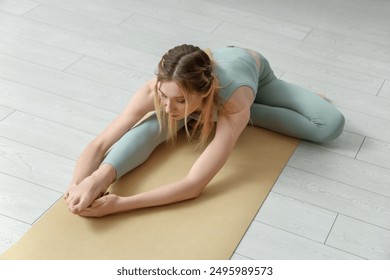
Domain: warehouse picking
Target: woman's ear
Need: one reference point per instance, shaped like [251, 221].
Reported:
[205, 94]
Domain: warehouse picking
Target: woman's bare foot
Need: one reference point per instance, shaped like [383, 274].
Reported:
[81, 196]
[322, 95]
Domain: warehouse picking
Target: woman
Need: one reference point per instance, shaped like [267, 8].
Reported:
[225, 89]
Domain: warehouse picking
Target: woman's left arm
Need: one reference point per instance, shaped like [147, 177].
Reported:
[229, 127]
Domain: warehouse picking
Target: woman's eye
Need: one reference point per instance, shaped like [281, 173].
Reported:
[181, 100]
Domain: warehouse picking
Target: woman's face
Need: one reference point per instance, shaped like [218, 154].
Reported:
[174, 102]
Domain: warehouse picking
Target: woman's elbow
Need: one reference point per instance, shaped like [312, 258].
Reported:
[195, 193]
[195, 190]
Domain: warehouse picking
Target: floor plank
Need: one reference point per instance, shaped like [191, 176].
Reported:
[35, 52]
[347, 144]
[171, 30]
[341, 169]
[108, 73]
[375, 152]
[296, 217]
[19, 7]
[35, 165]
[263, 242]
[63, 84]
[250, 19]
[5, 111]
[334, 196]
[90, 9]
[385, 90]
[60, 38]
[24, 201]
[364, 48]
[363, 239]
[331, 15]
[45, 135]
[11, 231]
[362, 124]
[53, 107]
[136, 38]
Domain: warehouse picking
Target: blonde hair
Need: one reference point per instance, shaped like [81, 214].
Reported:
[191, 69]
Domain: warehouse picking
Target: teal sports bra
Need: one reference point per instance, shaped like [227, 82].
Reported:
[236, 67]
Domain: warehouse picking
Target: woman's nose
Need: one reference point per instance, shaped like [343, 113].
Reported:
[168, 107]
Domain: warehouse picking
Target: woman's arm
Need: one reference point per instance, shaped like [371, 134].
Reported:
[90, 159]
[229, 127]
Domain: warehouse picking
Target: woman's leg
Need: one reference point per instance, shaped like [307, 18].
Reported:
[131, 150]
[295, 111]
[135, 146]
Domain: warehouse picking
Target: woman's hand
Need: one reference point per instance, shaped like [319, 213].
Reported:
[106, 205]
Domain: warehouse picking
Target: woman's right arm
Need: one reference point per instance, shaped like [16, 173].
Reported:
[141, 103]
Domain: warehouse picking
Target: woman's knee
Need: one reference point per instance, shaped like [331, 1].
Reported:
[329, 130]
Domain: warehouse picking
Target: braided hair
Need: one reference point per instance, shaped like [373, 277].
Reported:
[192, 69]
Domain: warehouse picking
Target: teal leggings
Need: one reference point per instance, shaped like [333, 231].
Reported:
[279, 106]
[293, 110]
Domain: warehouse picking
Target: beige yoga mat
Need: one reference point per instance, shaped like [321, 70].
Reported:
[209, 227]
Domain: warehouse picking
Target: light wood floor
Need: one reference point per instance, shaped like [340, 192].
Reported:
[68, 67]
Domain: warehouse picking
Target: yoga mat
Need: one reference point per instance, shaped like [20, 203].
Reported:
[209, 227]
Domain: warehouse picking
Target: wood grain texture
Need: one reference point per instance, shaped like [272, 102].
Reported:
[63, 84]
[261, 241]
[60, 38]
[348, 44]
[45, 135]
[363, 239]
[111, 74]
[296, 217]
[19, 7]
[130, 37]
[240, 17]
[24, 201]
[35, 52]
[334, 196]
[90, 9]
[347, 144]
[341, 169]
[368, 22]
[34, 165]
[11, 230]
[375, 152]
[360, 123]
[54, 108]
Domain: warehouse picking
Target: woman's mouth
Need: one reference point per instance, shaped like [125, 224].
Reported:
[175, 116]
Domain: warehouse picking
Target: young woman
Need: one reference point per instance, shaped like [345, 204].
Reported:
[224, 89]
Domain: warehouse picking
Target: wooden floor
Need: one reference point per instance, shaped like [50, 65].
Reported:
[68, 67]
